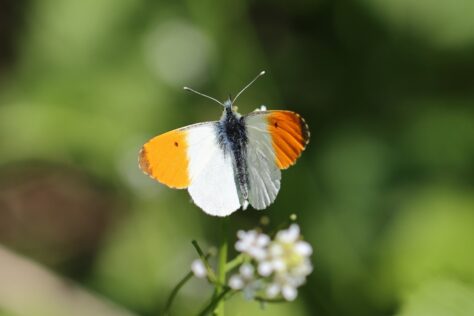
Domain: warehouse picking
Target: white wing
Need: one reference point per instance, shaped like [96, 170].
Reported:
[264, 174]
[212, 185]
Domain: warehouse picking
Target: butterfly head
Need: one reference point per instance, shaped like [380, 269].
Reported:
[228, 103]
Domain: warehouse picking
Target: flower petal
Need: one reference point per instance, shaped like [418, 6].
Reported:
[198, 268]
[236, 282]
[273, 290]
[303, 248]
[265, 268]
[289, 292]
[247, 271]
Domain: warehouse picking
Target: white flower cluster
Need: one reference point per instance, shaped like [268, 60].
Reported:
[275, 267]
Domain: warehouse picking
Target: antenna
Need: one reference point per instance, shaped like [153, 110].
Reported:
[204, 95]
[248, 85]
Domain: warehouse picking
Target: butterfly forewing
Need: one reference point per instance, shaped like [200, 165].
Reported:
[165, 158]
[288, 131]
[275, 140]
[190, 157]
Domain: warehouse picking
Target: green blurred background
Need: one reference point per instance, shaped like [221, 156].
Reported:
[384, 192]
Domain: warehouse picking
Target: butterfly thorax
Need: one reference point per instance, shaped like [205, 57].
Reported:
[232, 137]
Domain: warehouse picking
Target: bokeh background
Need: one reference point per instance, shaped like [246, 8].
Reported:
[384, 192]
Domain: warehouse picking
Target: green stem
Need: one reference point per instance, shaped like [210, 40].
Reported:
[215, 301]
[234, 263]
[183, 281]
[221, 277]
[269, 300]
[210, 273]
[175, 292]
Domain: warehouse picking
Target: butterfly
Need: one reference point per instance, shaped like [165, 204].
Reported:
[230, 163]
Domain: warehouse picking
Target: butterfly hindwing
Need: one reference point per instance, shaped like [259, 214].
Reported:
[264, 174]
[213, 186]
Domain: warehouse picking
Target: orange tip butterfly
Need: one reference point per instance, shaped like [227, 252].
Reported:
[230, 163]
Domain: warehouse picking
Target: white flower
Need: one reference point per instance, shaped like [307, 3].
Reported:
[246, 281]
[252, 243]
[287, 263]
[282, 265]
[198, 268]
[289, 292]
[273, 290]
[303, 248]
[236, 282]
[265, 268]
[247, 271]
[286, 285]
[303, 269]
[275, 250]
[289, 235]
[245, 277]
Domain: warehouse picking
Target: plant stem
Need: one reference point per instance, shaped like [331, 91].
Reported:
[215, 300]
[210, 273]
[219, 311]
[183, 281]
[269, 300]
[234, 262]
[175, 292]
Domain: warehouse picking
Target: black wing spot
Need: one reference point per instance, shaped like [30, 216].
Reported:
[276, 124]
[176, 144]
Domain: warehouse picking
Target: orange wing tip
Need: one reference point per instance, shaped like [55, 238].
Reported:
[164, 158]
[290, 136]
[143, 162]
[305, 130]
